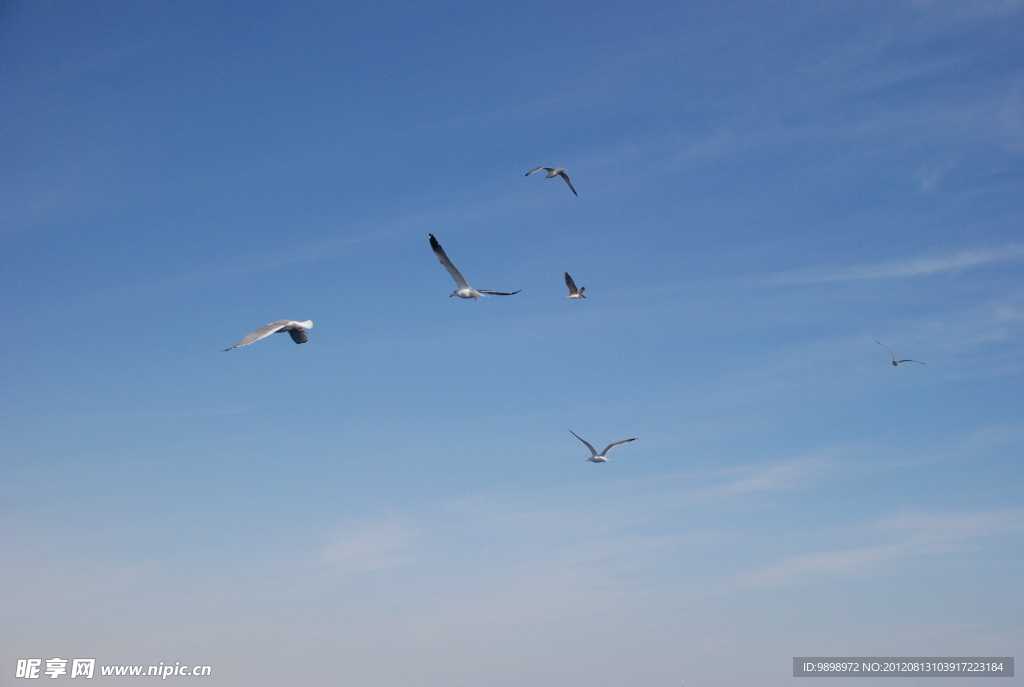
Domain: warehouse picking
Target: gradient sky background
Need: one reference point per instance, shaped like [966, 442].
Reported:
[765, 190]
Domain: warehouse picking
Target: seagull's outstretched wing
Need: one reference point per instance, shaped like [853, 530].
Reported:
[452, 270]
[611, 446]
[262, 333]
[498, 293]
[566, 177]
[886, 348]
[571, 284]
[910, 361]
[592, 451]
[298, 335]
[537, 169]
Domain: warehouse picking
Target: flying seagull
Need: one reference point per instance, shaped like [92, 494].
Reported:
[556, 172]
[297, 330]
[894, 361]
[600, 457]
[573, 291]
[464, 290]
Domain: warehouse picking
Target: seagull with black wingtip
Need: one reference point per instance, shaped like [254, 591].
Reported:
[464, 290]
[601, 457]
[297, 330]
[894, 361]
[573, 291]
[556, 172]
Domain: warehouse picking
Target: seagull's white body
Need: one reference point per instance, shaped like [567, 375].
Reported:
[894, 361]
[573, 291]
[297, 330]
[556, 172]
[464, 290]
[601, 457]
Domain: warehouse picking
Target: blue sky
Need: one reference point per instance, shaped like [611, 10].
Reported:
[764, 191]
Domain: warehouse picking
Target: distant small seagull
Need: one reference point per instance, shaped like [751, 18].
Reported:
[556, 172]
[894, 361]
[573, 291]
[297, 330]
[465, 290]
[602, 456]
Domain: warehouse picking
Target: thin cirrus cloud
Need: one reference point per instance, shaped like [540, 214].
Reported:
[370, 547]
[897, 269]
[792, 474]
[359, 236]
[916, 534]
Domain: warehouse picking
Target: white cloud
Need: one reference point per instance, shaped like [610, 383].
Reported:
[843, 562]
[791, 474]
[915, 534]
[370, 547]
[896, 269]
[940, 533]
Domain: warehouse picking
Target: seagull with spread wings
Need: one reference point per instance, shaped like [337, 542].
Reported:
[556, 172]
[602, 456]
[573, 291]
[464, 290]
[297, 330]
[894, 361]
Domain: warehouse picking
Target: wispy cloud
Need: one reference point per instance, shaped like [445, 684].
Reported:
[952, 532]
[358, 236]
[849, 561]
[170, 415]
[952, 13]
[914, 535]
[370, 547]
[897, 269]
[792, 474]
